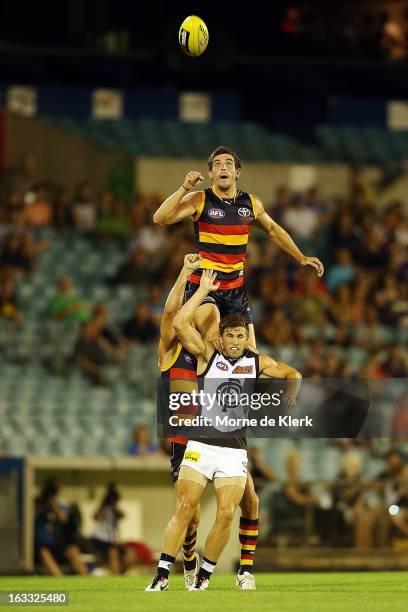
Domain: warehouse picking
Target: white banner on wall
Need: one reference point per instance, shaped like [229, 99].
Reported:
[22, 99]
[302, 177]
[195, 107]
[107, 104]
[397, 115]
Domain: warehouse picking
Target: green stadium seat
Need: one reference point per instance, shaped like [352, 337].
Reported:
[328, 463]
[329, 138]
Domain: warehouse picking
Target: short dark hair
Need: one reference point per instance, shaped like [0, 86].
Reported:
[221, 150]
[233, 320]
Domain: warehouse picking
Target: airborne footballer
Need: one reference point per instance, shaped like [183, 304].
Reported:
[222, 217]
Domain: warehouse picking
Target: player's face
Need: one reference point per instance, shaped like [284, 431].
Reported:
[234, 341]
[224, 174]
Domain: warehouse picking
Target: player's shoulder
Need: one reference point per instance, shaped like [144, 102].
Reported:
[256, 203]
[265, 360]
[247, 193]
[210, 350]
[205, 360]
[209, 353]
[195, 201]
[251, 352]
[194, 197]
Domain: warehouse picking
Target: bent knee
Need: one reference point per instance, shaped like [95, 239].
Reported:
[72, 550]
[225, 516]
[185, 508]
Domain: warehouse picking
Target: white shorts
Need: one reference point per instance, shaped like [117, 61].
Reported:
[216, 461]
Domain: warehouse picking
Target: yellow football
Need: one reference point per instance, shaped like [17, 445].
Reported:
[193, 36]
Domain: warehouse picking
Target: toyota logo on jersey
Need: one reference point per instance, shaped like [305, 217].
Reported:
[244, 212]
[217, 213]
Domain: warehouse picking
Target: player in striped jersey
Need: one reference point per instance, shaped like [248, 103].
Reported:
[222, 218]
[178, 374]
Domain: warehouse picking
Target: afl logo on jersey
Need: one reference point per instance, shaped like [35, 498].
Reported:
[244, 212]
[188, 358]
[217, 213]
[222, 366]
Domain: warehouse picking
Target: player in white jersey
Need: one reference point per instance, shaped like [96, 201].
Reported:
[221, 459]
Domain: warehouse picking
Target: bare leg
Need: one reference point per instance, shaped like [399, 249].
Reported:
[252, 338]
[383, 528]
[193, 524]
[228, 498]
[365, 519]
[207, 321]
[190, 543]
[49, 563]
[72, 553]
[188, 497]
[250, 501]
[113, 560]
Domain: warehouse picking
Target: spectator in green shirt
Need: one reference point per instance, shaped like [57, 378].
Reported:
[67, 306]
[112, 222]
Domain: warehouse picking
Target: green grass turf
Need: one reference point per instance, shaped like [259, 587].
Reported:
[314, 592]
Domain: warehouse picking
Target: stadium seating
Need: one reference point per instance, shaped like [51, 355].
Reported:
[42, 393]
[176, 139]
[363, 145]
[333, 144]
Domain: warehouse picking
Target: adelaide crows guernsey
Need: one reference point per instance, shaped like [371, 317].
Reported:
[230, 382]
[180, 376]
[221, 231]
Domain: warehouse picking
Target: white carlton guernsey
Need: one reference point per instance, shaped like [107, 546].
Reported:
[230, 383]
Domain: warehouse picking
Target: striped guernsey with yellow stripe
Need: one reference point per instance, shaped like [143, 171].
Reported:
[221, 231]
[180, 376]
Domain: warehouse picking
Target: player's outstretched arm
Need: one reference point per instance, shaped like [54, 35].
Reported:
[181, 203]
[277, 369]
[281, 237]
[175, 300]
[190, 338]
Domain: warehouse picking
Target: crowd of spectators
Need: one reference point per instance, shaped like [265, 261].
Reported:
[351, 509]
[361, 304]
[362, 300]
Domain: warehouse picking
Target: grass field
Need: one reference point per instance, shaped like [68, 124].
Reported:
[376, 592]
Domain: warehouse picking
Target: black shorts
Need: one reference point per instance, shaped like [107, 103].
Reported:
[57, 551]
[177, 454]
[102, 548]
[402, 502]
[228, 301]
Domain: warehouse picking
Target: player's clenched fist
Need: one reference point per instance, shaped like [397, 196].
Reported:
[192, 261]
[192, 179]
